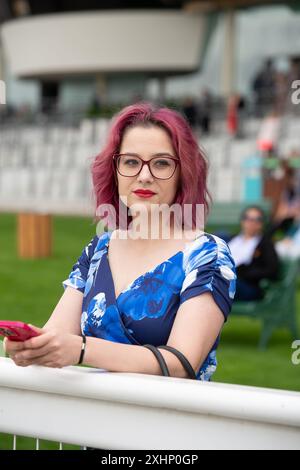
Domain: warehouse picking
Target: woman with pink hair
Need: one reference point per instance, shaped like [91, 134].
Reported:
[137, 302]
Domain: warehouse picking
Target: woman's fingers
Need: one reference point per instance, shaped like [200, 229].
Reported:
[32, 354]
[11, 347]
[33, 348]
[39, 341]
[26, 363]
[41, 361]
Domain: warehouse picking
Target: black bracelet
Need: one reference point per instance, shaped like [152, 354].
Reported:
[160, 359]
[82, 349]
[184, 361]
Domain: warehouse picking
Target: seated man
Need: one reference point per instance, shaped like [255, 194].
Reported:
[254, 255]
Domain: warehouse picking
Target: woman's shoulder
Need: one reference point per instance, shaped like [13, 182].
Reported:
[207, 249]
[96, 244]
[101, 240]
[209, 242]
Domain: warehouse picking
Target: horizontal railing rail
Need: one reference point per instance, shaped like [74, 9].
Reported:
[96, 408]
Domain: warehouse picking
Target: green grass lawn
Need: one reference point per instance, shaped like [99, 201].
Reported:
[29, 290]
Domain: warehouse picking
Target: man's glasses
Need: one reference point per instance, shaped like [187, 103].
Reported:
[162, 167]
[253, 219]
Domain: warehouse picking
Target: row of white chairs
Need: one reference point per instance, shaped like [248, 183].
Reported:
[74, 184]
[89, 131]
[226, 185]
[47, 155]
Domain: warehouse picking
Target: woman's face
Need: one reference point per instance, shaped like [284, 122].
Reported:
[147, 142]
[252, 223]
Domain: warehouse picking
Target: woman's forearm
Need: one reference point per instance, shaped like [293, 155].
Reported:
[67, 313]
[118, 357]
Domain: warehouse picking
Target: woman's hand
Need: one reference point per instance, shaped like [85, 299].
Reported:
[51, 349]
[12, 347]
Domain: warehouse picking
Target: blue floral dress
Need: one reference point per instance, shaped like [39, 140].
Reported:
[144, 312]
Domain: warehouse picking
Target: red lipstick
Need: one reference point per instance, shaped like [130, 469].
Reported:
[144, 192]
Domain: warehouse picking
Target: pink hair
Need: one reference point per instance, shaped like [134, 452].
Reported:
[193, 168]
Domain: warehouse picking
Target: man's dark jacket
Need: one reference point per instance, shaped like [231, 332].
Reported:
[264, 264]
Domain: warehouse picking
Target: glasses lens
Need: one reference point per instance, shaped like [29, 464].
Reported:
[128, 165]
[252, 219]
[162, 167]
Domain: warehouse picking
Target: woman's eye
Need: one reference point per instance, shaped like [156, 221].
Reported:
[131, 162]
[162, 163]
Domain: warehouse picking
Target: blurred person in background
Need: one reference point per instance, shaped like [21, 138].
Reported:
[189, 109]
[288, 211]
[268, 135]
[236, 108]
[294, 72]
[254, 255]
[205, 112]
[95, 106]
[232, 115]
[281, 91]
[264, 88]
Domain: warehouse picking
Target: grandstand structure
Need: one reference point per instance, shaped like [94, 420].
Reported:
[97, 43]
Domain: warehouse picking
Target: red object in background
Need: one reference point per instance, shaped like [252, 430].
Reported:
[269, 133]
[232, 117]
[265, 146]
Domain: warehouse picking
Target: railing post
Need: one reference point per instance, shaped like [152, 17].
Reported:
[34, 233]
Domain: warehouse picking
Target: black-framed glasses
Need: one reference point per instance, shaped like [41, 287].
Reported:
[161, 167]
[252, 219]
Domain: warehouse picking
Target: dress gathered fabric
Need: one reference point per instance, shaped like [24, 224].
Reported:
[145, 310]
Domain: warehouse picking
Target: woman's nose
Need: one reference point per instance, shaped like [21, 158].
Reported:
[145, 174]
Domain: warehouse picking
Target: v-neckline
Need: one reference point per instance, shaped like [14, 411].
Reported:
[180, 252]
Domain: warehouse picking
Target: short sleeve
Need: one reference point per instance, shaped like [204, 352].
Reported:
[78, 275]
[209, 267]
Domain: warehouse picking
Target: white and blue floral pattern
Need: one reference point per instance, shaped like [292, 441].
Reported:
[145, 311]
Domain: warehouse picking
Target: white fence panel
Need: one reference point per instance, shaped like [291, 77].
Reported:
[92, 407]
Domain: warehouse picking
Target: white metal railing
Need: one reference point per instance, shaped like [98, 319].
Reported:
[92, 407]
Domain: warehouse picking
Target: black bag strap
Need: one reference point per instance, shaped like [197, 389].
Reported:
[160, 359]
[181, 357]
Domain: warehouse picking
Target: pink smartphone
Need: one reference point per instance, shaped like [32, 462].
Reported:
[16, 330]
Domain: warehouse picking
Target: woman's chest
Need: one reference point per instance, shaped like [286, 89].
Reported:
[125, 291]
[127, 265]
